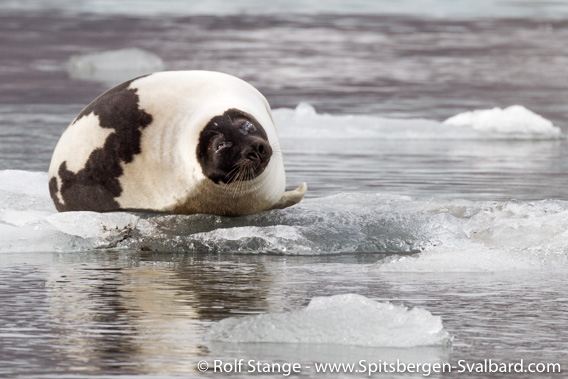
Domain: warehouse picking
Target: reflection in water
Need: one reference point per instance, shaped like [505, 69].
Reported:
[90, 317]
[27, 333]
[144, 313]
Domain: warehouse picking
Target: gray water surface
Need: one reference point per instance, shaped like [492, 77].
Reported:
[131, 312]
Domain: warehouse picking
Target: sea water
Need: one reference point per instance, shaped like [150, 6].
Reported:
[432, 139]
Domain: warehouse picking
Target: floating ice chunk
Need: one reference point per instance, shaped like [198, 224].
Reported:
[515, 119]
[114, 66]
[304, 122]
[347, 319]
[515, 122]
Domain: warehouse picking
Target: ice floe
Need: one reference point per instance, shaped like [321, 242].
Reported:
[114, 66]
[515, 122]
[347, 319]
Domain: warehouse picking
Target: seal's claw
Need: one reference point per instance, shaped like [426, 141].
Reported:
[291, 197]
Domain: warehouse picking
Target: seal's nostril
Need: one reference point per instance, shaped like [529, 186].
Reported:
[259, 151]
[253, 156]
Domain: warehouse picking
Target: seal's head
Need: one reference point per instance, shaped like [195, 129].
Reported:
[233, 147]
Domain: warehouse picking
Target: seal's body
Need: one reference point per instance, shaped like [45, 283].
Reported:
[178, 141]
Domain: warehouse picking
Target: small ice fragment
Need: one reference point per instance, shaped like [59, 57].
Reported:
[115, 65]
[515, 119]
[304, 109]
[348, 319]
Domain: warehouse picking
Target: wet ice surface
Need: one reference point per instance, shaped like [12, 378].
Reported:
[464, 224]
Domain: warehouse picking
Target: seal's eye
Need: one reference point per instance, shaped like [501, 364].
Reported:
[222, 145]
[247, 127]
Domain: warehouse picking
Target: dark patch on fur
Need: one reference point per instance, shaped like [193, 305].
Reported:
[96, 186]
[220, 166]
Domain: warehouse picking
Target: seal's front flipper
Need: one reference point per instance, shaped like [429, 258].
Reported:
[291, 197]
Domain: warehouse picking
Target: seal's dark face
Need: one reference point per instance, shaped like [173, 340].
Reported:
[233, 147]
